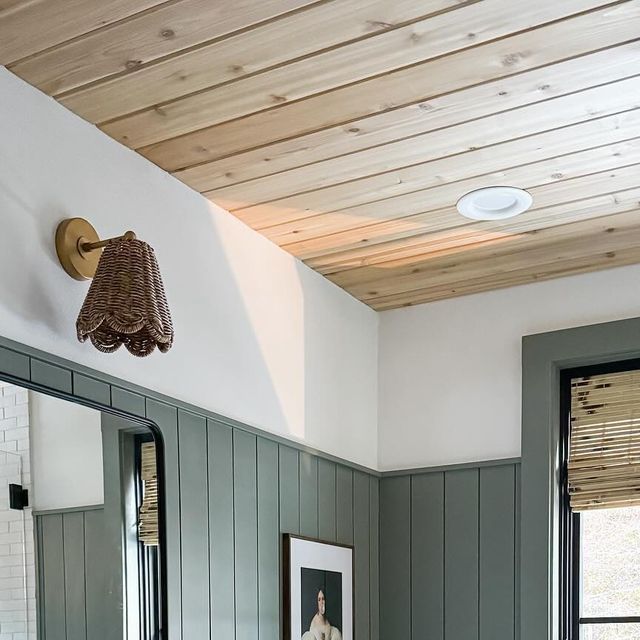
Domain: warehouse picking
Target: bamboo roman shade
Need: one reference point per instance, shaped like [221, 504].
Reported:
[148, 518]
[604, 446]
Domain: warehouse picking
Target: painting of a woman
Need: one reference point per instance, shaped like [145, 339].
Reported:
[320, 627]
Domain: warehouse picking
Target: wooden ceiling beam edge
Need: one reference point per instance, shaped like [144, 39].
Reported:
[266, 156]
[180, 151]
[113, 82]
[423, 176]
[551, 193]
[194, 113]
[455, 141]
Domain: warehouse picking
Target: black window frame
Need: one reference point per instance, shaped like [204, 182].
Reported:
[569, 531]
[149, 561]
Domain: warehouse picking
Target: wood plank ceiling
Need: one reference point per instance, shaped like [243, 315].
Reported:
[346, 130]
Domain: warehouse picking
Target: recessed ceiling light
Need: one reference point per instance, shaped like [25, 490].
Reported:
[494, 203]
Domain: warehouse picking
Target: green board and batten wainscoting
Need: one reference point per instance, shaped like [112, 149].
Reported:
[231, 492]
[449, 548]
[436, 550]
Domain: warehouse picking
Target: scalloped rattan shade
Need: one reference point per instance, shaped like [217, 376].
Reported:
[126, 303]
[604, 447]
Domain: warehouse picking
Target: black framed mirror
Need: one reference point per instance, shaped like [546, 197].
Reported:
[82, 534]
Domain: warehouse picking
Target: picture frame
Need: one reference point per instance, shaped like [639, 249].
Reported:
[318, 589]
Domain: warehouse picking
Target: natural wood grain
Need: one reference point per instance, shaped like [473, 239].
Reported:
[425, 83]
[305, 32]
[357, 61]
[462, 240]
[567, 242]
[561, 112]
[446, 111]
[596, 132]
[126, 46]
[311, 236]
[462, 237]
[346, 130]
[585, 264]
[33, 25]
[546, 181]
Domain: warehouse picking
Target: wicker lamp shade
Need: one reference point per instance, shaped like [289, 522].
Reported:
[126, 304]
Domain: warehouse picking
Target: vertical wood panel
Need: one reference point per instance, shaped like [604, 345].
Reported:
[461, 554]
[395, 561]
[222, 569]
[74, 575]
[194, 525]
[165, 417]
[289, 493]
[361, 543]
[326, 500]
[497, 547]
[374, 537]
[427, 556]
[246, 534]
[97, 568]
[268, 542]
[53, 576]
[344, 505]
[308, 495]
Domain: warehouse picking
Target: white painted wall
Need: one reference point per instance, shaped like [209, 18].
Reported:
[66, 454]
[259, 336]
[450, 371]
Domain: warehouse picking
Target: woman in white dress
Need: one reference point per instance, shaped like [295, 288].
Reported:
[320, 627]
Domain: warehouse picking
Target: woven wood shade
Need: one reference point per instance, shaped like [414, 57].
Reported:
[148, 517]
[604, 447]
[126, 303]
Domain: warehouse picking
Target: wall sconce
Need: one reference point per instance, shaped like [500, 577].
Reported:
[126, 303]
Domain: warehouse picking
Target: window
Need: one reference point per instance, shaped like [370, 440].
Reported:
[148, 537]
[600, 510]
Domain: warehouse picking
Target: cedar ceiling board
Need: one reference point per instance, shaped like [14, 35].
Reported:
[408, 249]
[31, 26]
[447, 111]
[588, 264]
[571, 139]
[581, 239]
[305, 32]
[461, 236]
[308, 237]
[353, 62]
[424, 147]
[124, 46]
[551, 263]
[421, 83]
[554, 192]
[525, 249]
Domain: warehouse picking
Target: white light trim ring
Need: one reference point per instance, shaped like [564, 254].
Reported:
[494, 203]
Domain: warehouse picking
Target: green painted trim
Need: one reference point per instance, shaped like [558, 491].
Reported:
[543, 357]
[15, 374]
[451, 467]
[49, 512]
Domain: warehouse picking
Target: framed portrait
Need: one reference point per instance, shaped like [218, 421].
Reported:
[318, 589]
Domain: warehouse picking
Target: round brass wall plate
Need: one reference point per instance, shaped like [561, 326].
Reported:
[71, 234]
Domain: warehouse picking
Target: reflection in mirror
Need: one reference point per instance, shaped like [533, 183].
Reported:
[79, 526]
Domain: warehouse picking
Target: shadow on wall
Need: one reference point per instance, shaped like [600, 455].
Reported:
[55, 166]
